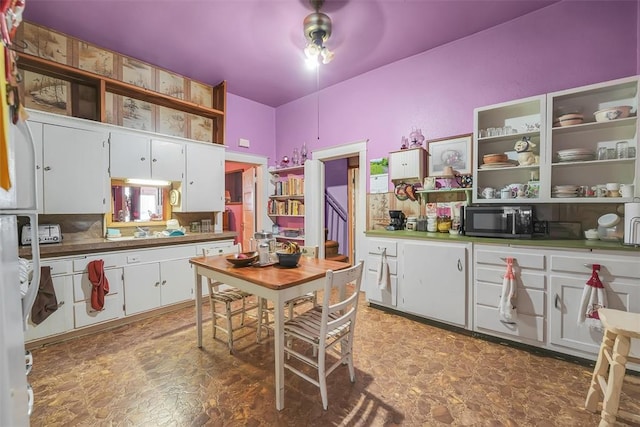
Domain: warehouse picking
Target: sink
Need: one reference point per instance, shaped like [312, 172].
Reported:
[121, 238]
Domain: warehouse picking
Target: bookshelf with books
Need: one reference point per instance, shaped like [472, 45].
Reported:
[286, 204]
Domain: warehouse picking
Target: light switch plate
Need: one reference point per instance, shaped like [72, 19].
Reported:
[243, 143]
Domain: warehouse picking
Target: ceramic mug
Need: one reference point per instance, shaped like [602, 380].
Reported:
[626, 190]
[429, 183]
[489, 193]
[506, 193]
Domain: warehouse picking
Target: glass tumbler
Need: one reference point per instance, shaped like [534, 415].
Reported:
[622, 149]
[602, 153]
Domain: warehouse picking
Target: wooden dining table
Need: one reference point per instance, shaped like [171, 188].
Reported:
[273, 282]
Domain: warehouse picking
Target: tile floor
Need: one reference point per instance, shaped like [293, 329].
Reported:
[150, 373]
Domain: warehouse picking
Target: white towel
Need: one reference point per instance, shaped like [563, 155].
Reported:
[507, 305]
[384, 279]
[594, 297]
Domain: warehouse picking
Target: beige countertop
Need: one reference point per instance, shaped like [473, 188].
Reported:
[85, 246]
[540, 242]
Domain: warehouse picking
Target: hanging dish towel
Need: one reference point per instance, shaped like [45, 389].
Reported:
[507, 306]
[384, 279]
[46, 302]
[594, 297]
[99, 282]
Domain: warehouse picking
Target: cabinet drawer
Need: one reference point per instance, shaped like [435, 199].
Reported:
[386, 297]
[376, 247]
[58, 267]
[85, 315]
[110, 261]
[216, 248]
[529, 327]
[160, 254]
[522, 259]
[525, 279]
[373, 264]
[529, 301]
[82, 286]
[613, 266]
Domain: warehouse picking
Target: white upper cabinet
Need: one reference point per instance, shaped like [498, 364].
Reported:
[583, 152]
[203, 187]
[138, 156]
[408, 165]
[498, 128]
[75, 171]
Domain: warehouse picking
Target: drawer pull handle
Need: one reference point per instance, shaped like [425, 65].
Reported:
[510, 322]
[459, 265]
[556, 301]
[588, 265]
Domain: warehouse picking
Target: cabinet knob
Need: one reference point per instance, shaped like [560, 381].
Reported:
[47, 168]
[164, 282]
[142, 159]
[190, 182]
[154, 160]
[37, 167]
[157, 284]
[556, 301]
[459, 265]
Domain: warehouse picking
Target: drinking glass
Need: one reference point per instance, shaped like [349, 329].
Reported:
[602, 153]
[622, 148]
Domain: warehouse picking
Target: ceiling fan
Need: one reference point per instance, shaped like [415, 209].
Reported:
[317, 30]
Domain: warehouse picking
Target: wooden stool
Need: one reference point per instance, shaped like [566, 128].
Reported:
[620, 327]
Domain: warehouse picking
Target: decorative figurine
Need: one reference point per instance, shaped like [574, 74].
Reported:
[524, 148]
[404, 143]
[285, 162]
[416, 138]
[295, 157]
[303, 152]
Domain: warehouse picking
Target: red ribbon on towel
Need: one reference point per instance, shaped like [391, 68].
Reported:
[99, 282]
[594, 281]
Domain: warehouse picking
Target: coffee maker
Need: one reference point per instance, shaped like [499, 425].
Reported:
[397, 220]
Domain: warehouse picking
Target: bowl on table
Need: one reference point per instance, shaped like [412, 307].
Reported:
[242, 259]
[288, 260]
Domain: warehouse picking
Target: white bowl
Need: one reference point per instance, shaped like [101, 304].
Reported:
[612, 113]
[591, 234]
[613, 186]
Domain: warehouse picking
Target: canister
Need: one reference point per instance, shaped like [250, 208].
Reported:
[412, 223]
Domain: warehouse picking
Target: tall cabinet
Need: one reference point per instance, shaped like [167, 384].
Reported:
[286, 203]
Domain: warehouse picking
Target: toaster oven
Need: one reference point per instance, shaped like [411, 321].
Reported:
[47, 233]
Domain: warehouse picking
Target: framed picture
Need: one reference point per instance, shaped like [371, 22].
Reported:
[452, 151]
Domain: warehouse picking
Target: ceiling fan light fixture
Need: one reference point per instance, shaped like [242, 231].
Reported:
[317, 30]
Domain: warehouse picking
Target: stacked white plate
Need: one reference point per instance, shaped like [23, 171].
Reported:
[576, 155]
[563, 191]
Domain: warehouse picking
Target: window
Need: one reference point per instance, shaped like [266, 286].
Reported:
[137, 204]
[233, 187]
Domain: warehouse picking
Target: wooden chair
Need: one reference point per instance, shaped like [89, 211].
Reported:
[233, 301]
[323, 328]
[620, 327]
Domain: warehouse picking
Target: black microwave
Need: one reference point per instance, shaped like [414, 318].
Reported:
[514, 222]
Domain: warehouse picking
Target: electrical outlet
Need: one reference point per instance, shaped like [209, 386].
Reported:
[243, 143]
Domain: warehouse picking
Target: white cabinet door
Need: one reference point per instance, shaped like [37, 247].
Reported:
[434, 281]
[76, 178]
[388, 295]
[60, 320]
[130, 155]
[408, 164]
[204, 184]
[566, 296]
[141, 288]
[167, 160]
[176, 283]
[24, 173]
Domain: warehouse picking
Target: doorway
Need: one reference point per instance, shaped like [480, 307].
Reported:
[246, 210]
[315, 205]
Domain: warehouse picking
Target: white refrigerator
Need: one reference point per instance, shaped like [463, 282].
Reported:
[20, 199]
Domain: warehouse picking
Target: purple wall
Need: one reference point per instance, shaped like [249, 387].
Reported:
[565, 45]
[253, 121]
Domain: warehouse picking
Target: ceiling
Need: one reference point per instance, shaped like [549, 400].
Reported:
[256, 45]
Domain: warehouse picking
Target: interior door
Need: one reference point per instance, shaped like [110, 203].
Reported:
[248, 226]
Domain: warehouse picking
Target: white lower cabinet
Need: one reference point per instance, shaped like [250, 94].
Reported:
[139, 280]
[385, 295]
[433, 282]
[530, 276]
[570, 271]
[155, 284]
[61, 320]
